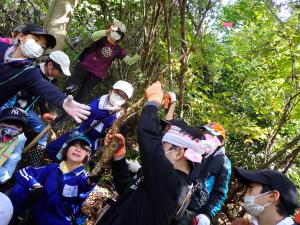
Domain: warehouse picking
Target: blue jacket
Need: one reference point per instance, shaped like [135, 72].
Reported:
[63, 191]
[30, 80]
[93, 135]
[214, 176]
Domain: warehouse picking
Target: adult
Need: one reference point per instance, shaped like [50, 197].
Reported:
[271, 198]
[12, 140]
[212, 179]
[18, 71]
[104, 111]
[155, 193]
[96, 59]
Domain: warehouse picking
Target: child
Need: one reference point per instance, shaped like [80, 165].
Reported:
[96, 59]
[105, 109]
[55, 193]
[12, 140]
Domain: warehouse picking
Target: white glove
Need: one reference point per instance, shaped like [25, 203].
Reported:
[133, 165]
[78, 111]
[173, 96]
[203, 220]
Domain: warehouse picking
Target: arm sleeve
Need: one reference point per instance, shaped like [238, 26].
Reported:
[98, 34]
[131, 60]
[47, 91]
[121, 178]
[219, 191]
[159, 174]
[8, 169]
[30, 176]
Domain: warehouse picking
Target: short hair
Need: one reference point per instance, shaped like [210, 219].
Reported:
[281, 208]
[82, 145]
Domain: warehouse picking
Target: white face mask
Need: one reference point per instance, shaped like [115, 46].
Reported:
[115, 36]
[116, 100]
[251, 207]
[31, 49]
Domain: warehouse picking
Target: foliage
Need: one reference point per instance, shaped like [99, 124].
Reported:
[245, 77]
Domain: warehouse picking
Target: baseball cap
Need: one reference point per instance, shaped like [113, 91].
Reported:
[39, 30]
[276, 181]
[121, 25]
[215, 129]
[19, 28]
[124, 86]
[62, 60]
[79, 137]
[14, 113]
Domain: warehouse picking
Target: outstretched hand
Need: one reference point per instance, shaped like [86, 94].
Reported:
[121, 150]
[155, 92]
[77, 110]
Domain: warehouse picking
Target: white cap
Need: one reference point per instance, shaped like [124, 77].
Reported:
[120, 25]
[62, 60]
[124, 86]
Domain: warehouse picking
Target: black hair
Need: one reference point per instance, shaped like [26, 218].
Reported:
[55, 65]
[281, 208]
[83, 145]
[15, 123]
[194, 132]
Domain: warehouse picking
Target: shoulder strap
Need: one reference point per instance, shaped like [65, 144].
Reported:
[17, 74]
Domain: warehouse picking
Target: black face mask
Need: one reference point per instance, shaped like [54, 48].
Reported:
[8, 133]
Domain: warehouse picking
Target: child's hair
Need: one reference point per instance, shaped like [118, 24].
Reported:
[82, 145]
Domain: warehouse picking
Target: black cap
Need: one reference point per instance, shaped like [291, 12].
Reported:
[14, 114]
[276, 181]
[39, 30]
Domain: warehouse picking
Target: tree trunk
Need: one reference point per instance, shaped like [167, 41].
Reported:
[183, 61]
[58, 18]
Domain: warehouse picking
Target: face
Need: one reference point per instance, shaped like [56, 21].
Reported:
[41, 40]
[76, 153]
[173, 153]
[15, 126]
[255, 189]
[52, 71]
[121, 93]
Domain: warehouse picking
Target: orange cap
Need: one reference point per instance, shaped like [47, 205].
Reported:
[218, 127]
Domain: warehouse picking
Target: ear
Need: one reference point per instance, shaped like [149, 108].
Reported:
[50, 65]
[21, 37]
[275, 195]
[179, 153]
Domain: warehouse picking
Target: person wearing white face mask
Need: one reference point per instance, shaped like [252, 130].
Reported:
[271, 197]
[96, 59]
[104, 111]
[18, 71]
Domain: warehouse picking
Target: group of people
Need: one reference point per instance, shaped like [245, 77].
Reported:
[183, 174]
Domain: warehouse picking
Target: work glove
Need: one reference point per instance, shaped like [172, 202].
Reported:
[121, 150]
[35, 195]
[48, 117]
[155, 92]
[202, 220]
[78, 111]
[172, 96]
[133, 165]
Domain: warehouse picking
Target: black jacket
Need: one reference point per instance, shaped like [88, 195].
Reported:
[152, 198]
[30, 80]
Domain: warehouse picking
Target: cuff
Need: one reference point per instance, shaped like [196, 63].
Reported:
[153, 103]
